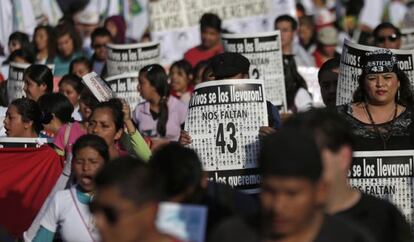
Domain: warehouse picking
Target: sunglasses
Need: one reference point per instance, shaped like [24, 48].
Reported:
[391, 38]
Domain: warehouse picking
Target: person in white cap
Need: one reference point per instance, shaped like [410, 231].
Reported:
[326, 47]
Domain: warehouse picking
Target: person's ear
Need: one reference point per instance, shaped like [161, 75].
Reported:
[345, 157]
[204, 180]
[43, 87]
[190, 77]
[322, 189]
[28, 125]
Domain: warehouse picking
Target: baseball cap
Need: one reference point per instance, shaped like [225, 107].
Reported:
[229, 64]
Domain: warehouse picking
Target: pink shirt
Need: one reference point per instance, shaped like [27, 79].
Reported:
[147, 126]
[76, 131]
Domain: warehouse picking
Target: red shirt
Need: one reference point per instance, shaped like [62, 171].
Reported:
[197, 54]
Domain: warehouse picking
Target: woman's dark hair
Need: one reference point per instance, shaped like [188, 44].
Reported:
[57, 104]
[87, 98]
[157, 77]
[121, 27]
[115, 105]
[293, 80]
[93, 141]
[200, 66]
[287, 18]
[23, 53]
[40, 74]
[63, 29]
[178, 170]
[20, 37]
[74, 81]
[183, 65]
[30, 111]
[80, 60]
[405, 98]
[210, 20]
[51, 41]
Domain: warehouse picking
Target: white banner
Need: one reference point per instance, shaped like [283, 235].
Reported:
[351, 69]
[264, 52]
[387, 175]
[131, 57]
[310, 74]
[175, 23]
[407, 39]
[223, 121]
[125, 86]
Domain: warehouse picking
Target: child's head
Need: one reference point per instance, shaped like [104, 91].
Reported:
[90, 155]
[56, 110]
[18, 40]
[107, 121]
[71, 86]
[199, 71]
[68, 41]
[23, 118]
[44, 39]
[38, 80]
[87, 103]
[80, 66]
[181, 76]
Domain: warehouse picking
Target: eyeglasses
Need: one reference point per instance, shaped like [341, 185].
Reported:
[392, 38]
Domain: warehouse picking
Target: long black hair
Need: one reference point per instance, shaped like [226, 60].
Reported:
[157, 77]
[30, 111]
[405, 97]
[51, 41]
[40, 74]
[55, 104]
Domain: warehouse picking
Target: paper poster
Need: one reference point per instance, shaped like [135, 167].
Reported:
[350, 68]
[125, 86]
[15, 81]
[175, 23]
[223, 121]
[131, 57]
[310, 74]
[407, 39]
[183, 221]
[98, 87]
[387, 175]
[264, 52]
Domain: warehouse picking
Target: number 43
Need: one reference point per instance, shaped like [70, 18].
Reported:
[220, 138]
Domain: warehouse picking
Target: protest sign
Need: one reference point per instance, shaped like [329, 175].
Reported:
[125, 86]
[386, 174]
[15, 82]
[407, 38]
[175, 23]
[98, 87]
[131, 57]
[183, 221]
[351, 69]
[223, 121]
[265, 55]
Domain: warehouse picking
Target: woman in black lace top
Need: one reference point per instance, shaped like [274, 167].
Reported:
[381, 114]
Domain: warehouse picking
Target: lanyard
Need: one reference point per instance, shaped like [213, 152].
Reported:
[80, 214]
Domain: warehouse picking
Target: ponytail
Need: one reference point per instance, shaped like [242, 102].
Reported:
[163, 118]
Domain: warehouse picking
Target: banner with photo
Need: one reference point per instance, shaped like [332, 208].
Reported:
[125, 86]
[387, 175]
[223, 121]
[264, 52]
[351, 69]
[127, 58]
[175, 23]
[407, 38]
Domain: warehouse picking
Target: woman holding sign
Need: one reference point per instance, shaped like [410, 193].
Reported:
[381, 114]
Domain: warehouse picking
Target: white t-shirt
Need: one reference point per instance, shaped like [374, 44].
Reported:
[62, 213]
[303, 100]
[76, 115]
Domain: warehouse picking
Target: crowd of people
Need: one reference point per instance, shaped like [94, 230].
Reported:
[125, 163]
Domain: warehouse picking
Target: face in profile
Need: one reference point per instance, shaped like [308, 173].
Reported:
[381, 88]
[119, 219]
[289, 204]
[14, 124]
[32, 89]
